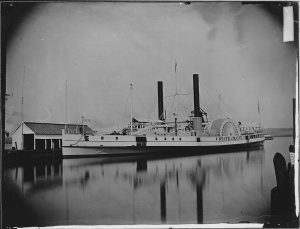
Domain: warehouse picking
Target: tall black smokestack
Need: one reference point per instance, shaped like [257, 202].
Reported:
[160, 100]
[197, 112]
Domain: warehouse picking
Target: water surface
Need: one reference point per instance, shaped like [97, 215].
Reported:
[224, 187]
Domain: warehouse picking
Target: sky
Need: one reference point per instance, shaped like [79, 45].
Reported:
[99, 49]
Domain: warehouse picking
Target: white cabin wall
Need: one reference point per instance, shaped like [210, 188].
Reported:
[17, 136]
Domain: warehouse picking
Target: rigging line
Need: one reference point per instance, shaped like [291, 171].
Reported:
[226, 106]
[126, 103]
[152, 107]
[140, 101]
[215, 103]
[184, 106]
[176, 102]
[168, 96]
[224, 110]
[168, 107]
[209, 98]
[205, 101]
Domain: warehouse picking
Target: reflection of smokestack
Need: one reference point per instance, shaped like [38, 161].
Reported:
[163, 209]
[160, 100]
[200, 179]
[196, 95]
[199, 203]
[197, 121]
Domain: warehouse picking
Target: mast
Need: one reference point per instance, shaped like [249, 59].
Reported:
[258, 110]
[131, 108]
[82, 119]
[176, 90]
[22, 146]
[66, 113]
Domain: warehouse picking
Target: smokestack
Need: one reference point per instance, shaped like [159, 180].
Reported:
[197, 112]
[160, 100]
[197, 120]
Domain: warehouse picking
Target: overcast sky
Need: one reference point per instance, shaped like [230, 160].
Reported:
[100, 48]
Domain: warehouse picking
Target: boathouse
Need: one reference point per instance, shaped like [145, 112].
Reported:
[43, 136]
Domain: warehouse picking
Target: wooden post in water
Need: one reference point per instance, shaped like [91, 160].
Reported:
[281, 195]
[294, 120]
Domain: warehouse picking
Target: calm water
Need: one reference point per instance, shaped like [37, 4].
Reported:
[225, 187]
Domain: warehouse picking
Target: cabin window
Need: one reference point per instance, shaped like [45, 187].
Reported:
[179, 139]
[165, 138]
[117, 138]
[156, 138]
[102, 138]
[173, 139]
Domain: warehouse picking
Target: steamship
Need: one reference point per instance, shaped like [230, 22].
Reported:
[196, 135]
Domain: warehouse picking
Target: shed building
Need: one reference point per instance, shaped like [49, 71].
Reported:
[43, 136]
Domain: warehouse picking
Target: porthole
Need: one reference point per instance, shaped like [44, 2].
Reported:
[102, 138]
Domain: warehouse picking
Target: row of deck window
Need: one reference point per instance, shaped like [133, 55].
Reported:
[117, 138]
[166, 139]
[255, 136]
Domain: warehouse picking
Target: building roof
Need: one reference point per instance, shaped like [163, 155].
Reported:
[54, 128]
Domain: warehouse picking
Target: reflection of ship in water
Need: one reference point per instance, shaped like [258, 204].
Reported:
[168, 176]
[145, 172]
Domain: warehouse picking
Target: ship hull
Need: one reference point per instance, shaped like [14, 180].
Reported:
[203, 148]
